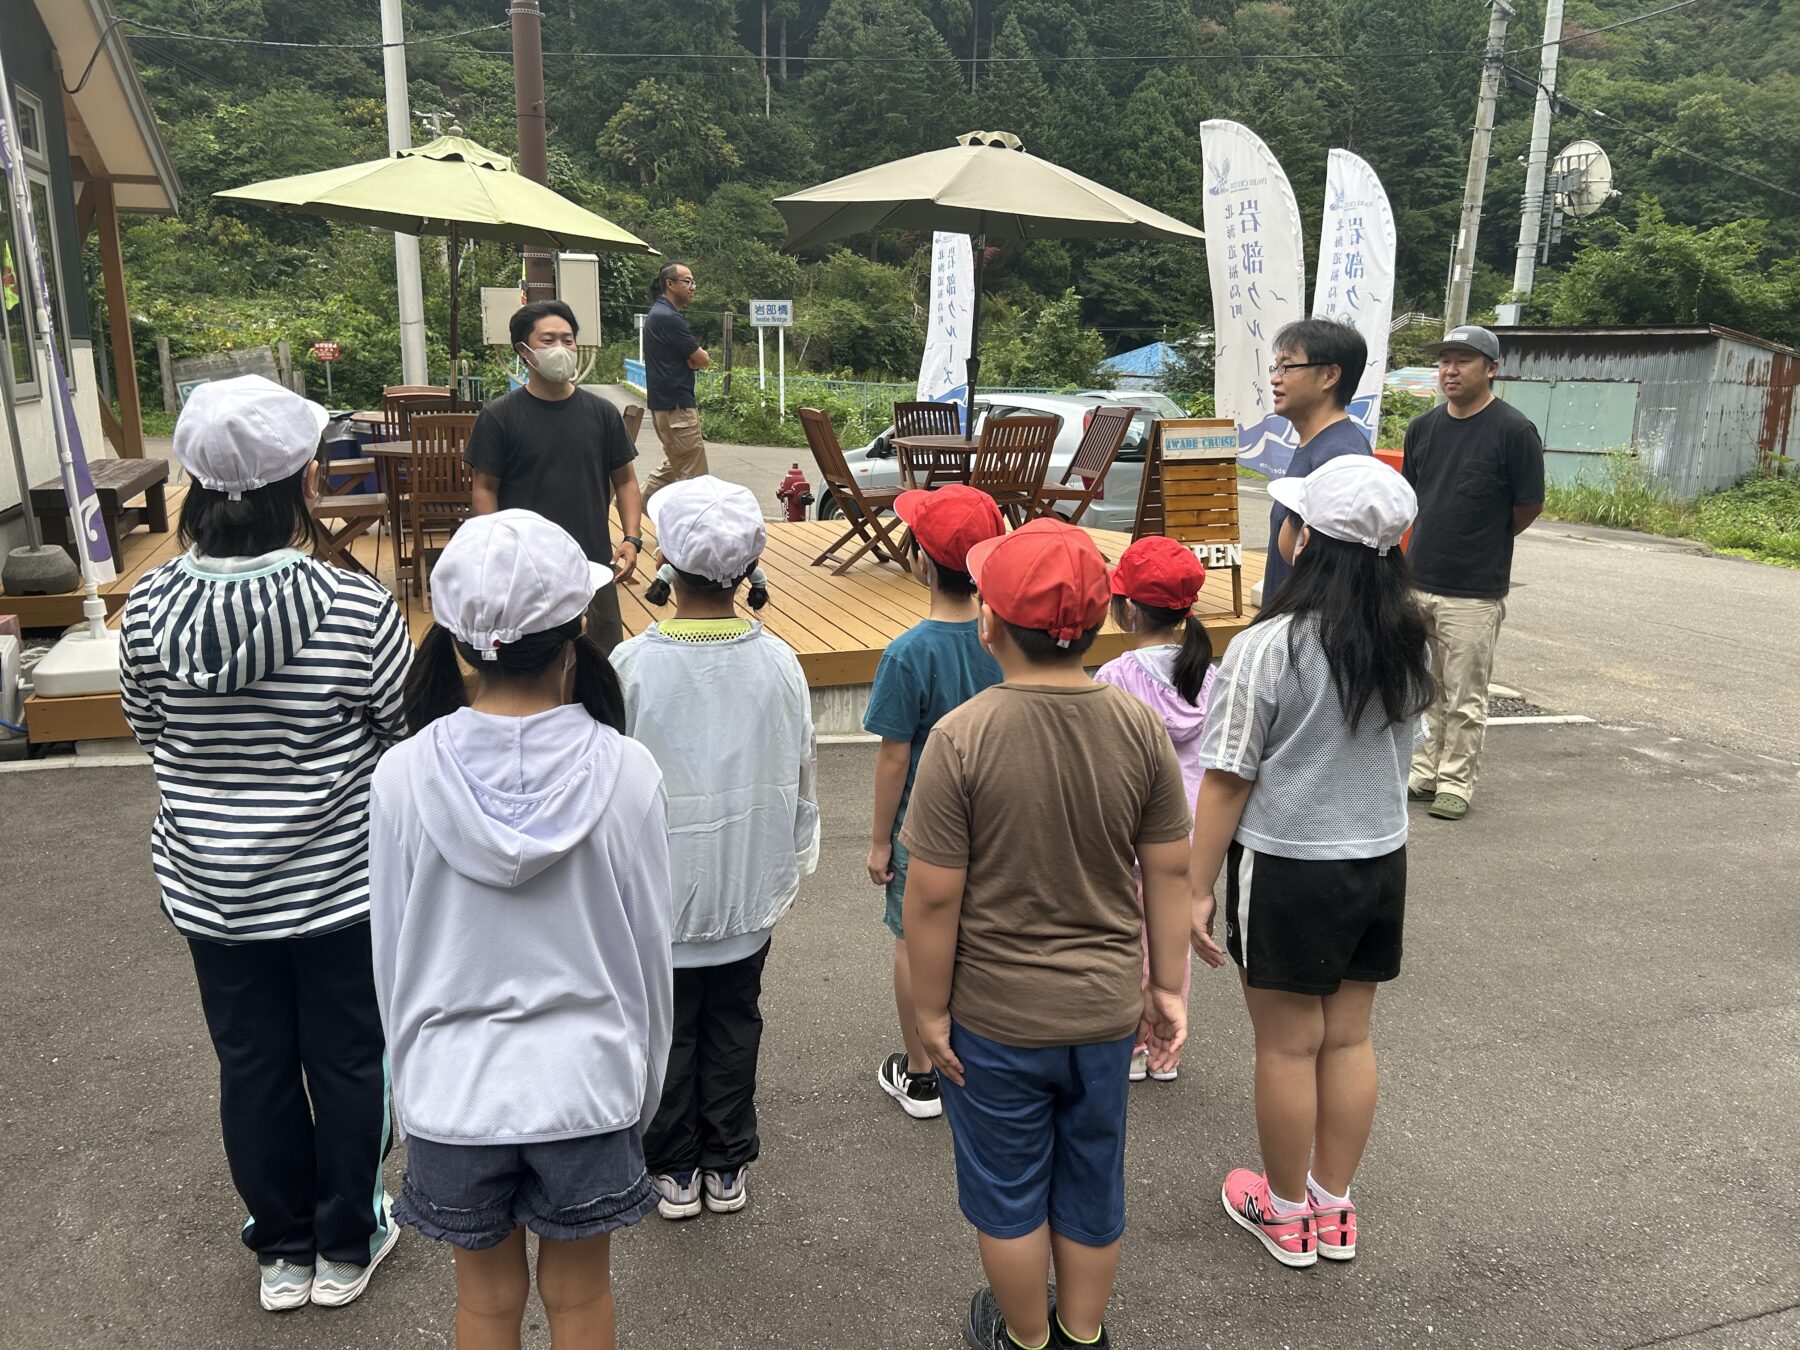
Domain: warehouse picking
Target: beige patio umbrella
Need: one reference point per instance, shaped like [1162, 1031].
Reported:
[451, 187]
[985, 186]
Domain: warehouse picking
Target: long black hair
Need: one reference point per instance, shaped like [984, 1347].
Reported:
[435, 686]
[1372, 630]
[261, 521]
[1196, 652]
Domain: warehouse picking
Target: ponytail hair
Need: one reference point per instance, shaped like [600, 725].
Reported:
[659, 590]
[1196, 653]
[435, 686]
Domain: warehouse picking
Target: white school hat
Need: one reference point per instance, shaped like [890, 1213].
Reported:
[507, 575]
[240, 434]
[1355, 498]
[708, 527]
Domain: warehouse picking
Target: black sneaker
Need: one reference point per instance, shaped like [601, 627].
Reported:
[917, 1093]
[1059, 1340]
[986, 1327]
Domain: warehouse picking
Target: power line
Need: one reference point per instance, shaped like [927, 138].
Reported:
[414, 40]
[1562, 100]
[1604, 28]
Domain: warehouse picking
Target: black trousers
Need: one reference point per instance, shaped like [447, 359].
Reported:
[293, 1018]
[708, 1114]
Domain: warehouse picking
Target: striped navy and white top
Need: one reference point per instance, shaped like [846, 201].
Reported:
[265, 689]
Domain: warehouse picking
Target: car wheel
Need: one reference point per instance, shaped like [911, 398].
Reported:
[827, 508]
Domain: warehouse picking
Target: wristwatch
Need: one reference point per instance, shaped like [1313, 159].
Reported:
[633, 540]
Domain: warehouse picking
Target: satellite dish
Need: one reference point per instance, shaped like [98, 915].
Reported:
[1583, 178]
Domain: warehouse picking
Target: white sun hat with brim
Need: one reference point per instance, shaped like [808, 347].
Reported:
[708, 528]
[1355, 498]
[237, 435]
[510, 574]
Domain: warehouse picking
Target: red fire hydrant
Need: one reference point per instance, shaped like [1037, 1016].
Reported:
[795, 494]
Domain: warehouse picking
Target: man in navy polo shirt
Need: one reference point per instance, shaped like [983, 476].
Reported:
[671, 356]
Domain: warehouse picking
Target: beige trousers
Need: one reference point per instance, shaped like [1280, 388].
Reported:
[684, 453]
[1462, 634]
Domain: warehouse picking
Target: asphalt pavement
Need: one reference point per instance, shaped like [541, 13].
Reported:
[1586, 1136]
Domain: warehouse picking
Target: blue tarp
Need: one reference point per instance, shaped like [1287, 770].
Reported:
[1145, 364]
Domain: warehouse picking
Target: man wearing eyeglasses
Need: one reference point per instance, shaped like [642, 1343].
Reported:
[1318, 364]
[671, 356]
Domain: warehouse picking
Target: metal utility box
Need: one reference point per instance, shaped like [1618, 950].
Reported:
[498, 304]
[578, 286]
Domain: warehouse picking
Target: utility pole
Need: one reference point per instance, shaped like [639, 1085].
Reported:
[1462, 261]
[528, 108]
[1532, 218]
[406, 246]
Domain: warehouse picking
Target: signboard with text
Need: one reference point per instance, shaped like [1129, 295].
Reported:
[325, 351]
[771, 313]
[1189, 493]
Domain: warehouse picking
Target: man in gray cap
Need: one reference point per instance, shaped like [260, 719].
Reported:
[1478, 466]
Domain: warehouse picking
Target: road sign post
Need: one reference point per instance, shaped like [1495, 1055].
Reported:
[779, 315]
[327, 353]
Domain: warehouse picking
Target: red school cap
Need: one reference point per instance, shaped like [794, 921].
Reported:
[1046, 575]
[949, 521]
[1157, 570]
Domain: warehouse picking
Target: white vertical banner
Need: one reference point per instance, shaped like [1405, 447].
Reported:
[1355, 284]
[1257, 261]
[944, 373]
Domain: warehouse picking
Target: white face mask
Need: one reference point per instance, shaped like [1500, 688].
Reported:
[559, 365]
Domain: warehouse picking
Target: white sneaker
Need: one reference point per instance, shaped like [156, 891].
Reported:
[1165, 1075]
[725, 1191]
[285, 1284]
[336, 1283]
[1140, 1066]
[678, 1199]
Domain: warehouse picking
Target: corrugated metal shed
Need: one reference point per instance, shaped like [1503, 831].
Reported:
[1701, 405]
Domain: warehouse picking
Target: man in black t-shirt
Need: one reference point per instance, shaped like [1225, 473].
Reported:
[671, 356]
[1478, 467]
[561, 451]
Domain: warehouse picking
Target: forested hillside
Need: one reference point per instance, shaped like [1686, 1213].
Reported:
[667, 118]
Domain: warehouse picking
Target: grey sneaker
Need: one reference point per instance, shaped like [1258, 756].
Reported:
[1140, 1067]
[986, 1327]
[679, 1194]
[336, 1283]
[725, 1191]
[1449, 806]
[285, 1284]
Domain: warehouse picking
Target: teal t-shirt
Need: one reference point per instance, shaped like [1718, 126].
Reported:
[928, 670]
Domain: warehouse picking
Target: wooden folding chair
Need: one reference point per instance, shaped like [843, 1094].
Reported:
[634, 421]
[1012, 462]
[345, 517]
[440, 488]
[862, 508]
[928, 468]
[1085, 477]
[398, 410]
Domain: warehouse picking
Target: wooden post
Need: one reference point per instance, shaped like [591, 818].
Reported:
[118, 319]
[284, 363]
[726, 322]
[167, 365]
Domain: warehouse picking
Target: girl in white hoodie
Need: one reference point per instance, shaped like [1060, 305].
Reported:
[723, 706]
[519, 877]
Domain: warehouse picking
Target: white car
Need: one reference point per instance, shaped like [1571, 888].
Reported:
[877, 464]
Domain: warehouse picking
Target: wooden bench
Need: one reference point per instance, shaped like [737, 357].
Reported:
[116, 483]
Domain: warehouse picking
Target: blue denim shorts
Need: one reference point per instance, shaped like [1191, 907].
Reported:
[473, 1195]
[1040, 1136]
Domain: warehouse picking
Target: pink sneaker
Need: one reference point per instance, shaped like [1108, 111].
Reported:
[1246, 1199]
[1336, 1229]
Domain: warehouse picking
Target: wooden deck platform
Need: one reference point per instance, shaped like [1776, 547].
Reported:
[839, 626]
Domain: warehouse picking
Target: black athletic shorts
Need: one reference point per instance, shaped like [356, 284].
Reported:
[1306, 925]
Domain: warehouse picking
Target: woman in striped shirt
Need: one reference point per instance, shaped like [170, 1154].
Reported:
[265, 684]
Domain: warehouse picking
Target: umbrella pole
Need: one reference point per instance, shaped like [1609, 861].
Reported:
[974, 366]
[455, 313]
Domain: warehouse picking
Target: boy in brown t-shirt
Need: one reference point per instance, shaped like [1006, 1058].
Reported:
[1032, 802]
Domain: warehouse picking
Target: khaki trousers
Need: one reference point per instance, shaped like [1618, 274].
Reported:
[1462, 634]
[684, 453]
